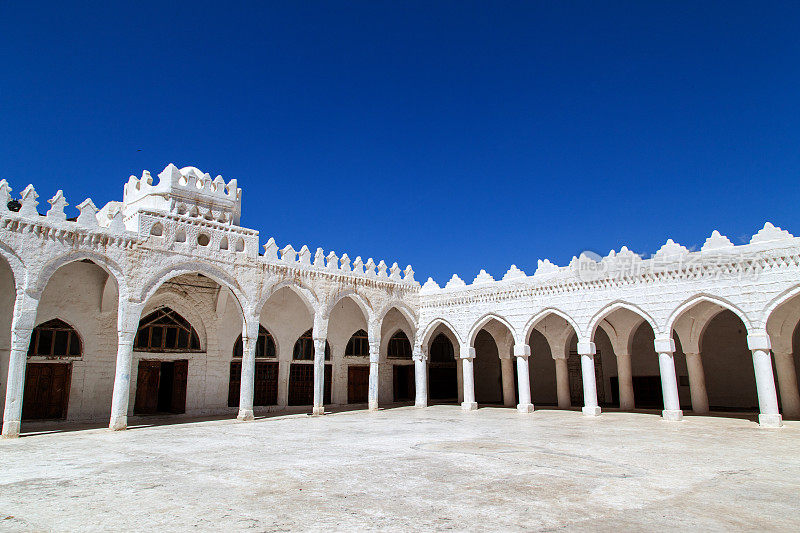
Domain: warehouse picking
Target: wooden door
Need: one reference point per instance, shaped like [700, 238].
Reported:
[147, 388]
[326, 393]
[404, 382]
[301, 384]
[357, 383]
[179, 378]
[266, 383]
[235, 383]
[46, 393]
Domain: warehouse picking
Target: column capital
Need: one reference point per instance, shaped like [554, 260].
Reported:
[419, 355]
[664, 345]
[787, 354]
[522, 350]
[586, 348]
[758, 340]
[374, 351]
[467, 352]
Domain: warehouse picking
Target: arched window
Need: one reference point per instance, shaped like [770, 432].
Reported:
[304, 348]
[55, 338]
[358, 345]
[164, 330]
[442, 350]
[264, 348]
[399, 346]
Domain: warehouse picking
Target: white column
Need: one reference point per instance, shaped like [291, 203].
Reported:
[250, 328]
[507, 377]
[665, 348]
[374, 356]
[467, 358]
[128, 316]
[625, 378]
[420, 378]
[697, 383]
[587, 351]
[522, 352]
[460, 379]
[787, 384]
[562, 381]
[22, 324]
[319, 376]
[759, 344]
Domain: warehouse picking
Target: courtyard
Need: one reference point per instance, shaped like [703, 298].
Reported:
[406, 469]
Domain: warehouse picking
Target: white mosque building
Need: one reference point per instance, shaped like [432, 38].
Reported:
[163, 304]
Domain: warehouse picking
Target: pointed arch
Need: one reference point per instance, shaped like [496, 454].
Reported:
[306, 295]
[15, 264]
[186, 267]
[698, 298]
[55, 338]
[544, 313]
[106, 263]
[485, 319]
[399, 346]
[615, 306]
[360, 301]
[431, 327]
[402, 307]
[357, 345]
[776, 302]
[165, 330]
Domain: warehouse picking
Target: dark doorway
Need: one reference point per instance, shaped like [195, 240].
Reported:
[265, 384]
[301, 384]
[442, 370]
[576, 378]
[357, 383]
[46, 391]
[161, 387]
[404, 383]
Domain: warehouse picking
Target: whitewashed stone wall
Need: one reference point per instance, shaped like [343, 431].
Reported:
[104, 270]
[185, 224]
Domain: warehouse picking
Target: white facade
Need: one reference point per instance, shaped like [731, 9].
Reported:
[708, 325]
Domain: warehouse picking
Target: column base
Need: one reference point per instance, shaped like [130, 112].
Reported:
[245, 415]
[373, 406]
[672, 416]
[525, 408]
[591, 411]
[770, 421]
[11, 429]
[700, 411]
[469, 406]
[420, 405]
[318, 411]
[118, 423]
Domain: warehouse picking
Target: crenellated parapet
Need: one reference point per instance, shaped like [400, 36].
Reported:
[187, 191]
[150, 236]
[718, 256]
[332, 265]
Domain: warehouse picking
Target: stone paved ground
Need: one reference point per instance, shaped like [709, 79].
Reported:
[406, 469]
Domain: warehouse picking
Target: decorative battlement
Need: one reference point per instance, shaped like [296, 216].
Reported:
[187, 191]
[185, 212]
[717, 257]
[333, 263]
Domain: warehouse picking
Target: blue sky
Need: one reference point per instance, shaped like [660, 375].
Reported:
[453, 136]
